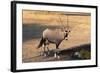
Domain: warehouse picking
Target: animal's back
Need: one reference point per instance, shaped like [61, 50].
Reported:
[53, 34]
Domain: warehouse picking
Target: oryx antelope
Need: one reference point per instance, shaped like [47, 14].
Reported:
[55, 36]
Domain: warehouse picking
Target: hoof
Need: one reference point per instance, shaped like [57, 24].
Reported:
[45, 55]
[56, 56]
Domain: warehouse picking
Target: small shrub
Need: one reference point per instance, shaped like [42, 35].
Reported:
[85, 54]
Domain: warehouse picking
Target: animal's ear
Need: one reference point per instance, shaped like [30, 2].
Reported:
[66, 31]
[69, 31]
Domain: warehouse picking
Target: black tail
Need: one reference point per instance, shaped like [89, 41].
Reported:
[41, 42]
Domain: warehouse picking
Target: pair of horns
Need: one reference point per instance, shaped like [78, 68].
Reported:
[61, 22]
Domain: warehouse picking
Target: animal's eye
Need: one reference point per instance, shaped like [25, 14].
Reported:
[66, 31]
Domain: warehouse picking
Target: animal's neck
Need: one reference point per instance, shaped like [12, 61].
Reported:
[66, 35]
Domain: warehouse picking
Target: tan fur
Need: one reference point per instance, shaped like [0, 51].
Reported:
[53, 34]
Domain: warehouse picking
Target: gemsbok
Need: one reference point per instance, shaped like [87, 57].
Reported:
[55, 36]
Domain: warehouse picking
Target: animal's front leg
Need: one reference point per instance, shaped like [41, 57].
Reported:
[56, 54]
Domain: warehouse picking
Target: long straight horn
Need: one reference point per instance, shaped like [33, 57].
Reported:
[68, 28]
[67, 23]
[61, 22]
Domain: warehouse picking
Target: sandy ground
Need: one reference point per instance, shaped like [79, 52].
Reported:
[80, 34]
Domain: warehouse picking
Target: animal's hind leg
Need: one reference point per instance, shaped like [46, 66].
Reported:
[47, 47]
[44, 51]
